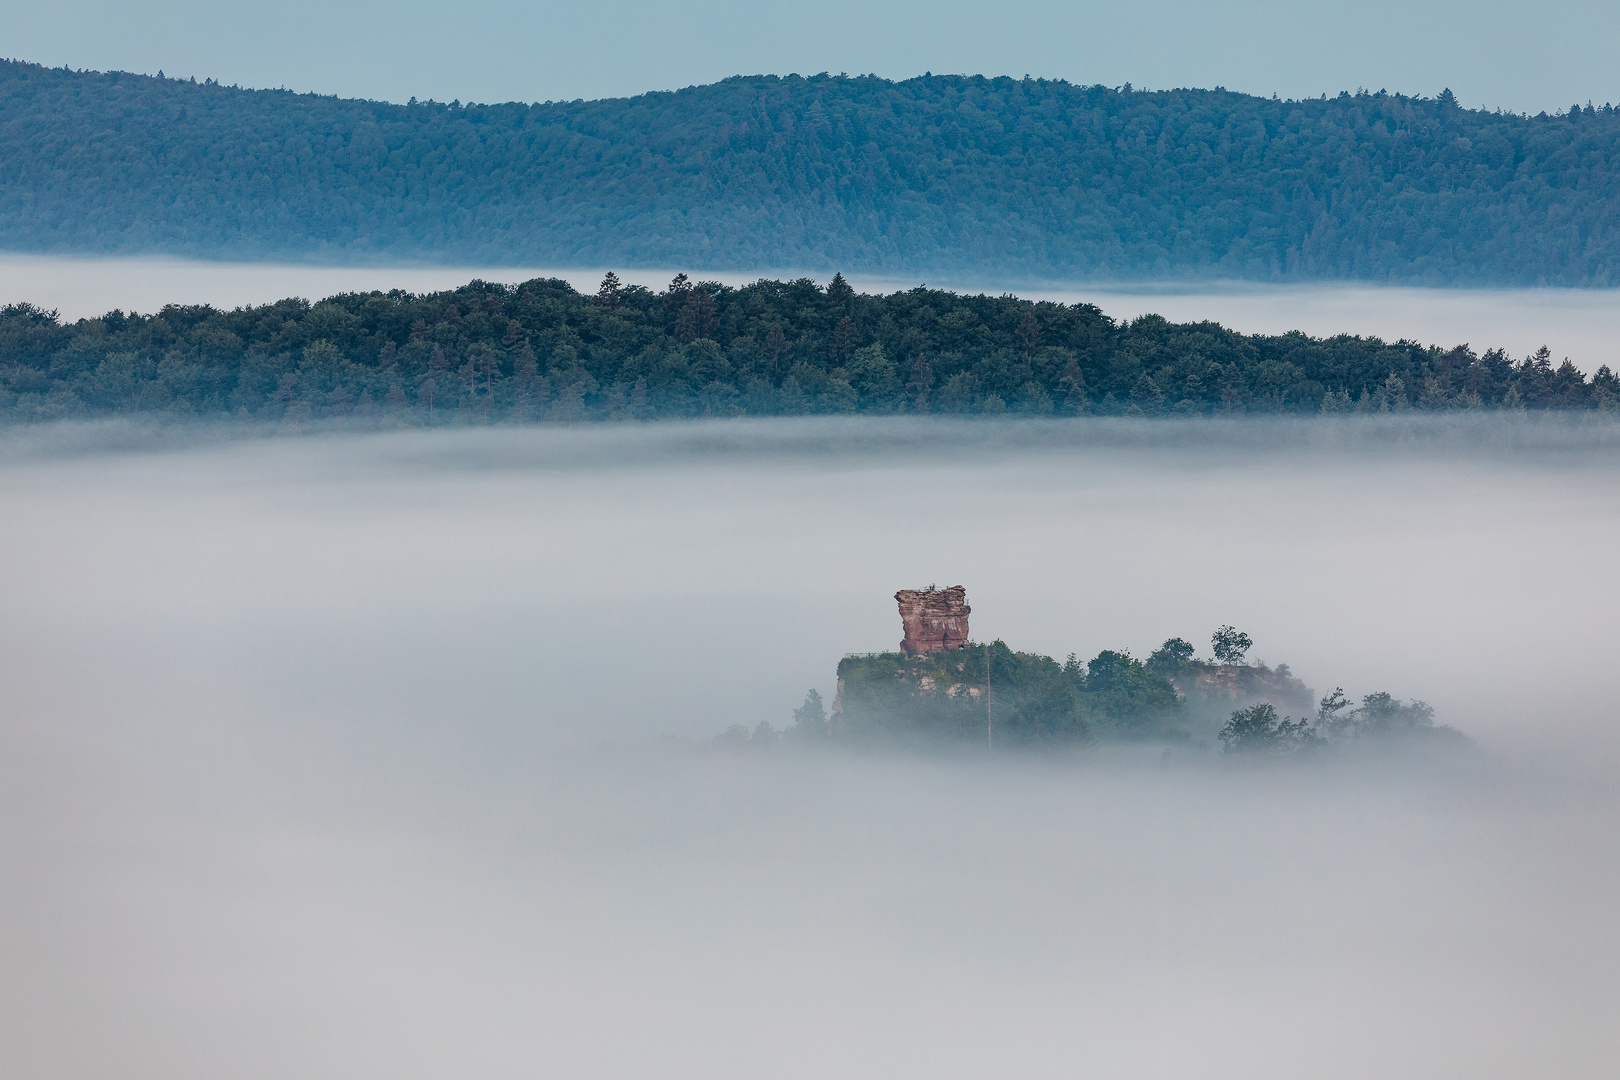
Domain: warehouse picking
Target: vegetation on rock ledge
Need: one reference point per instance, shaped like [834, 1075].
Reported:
[1037, 702]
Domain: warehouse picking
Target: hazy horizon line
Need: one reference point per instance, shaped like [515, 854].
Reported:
[1125, 87]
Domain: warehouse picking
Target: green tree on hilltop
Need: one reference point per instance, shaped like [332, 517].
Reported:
[1230, 645]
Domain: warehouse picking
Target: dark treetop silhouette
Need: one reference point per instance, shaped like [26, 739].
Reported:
[542, 351]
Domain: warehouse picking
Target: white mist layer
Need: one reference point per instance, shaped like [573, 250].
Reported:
[329, 757]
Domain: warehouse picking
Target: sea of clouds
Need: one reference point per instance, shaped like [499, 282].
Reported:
[379, 755]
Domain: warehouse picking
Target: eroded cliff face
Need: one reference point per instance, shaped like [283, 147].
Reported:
[934, 620]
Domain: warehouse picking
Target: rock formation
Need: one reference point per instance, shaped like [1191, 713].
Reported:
[935, 620]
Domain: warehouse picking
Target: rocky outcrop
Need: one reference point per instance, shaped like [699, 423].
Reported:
[934, 620]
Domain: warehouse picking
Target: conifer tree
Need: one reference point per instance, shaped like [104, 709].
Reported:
[776, 346]
[1073, 386]
[922, 381]
[1029, 334]
[845, 340]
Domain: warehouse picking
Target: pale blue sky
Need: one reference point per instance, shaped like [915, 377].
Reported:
[1516, 56]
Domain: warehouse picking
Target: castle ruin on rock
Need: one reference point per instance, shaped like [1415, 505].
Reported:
[935, 620]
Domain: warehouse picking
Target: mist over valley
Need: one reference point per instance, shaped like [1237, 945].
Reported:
[804, 576]
[381, 723]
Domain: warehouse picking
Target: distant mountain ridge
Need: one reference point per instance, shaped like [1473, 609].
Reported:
[1022, 179]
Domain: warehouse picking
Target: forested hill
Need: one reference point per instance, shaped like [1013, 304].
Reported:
[542, 351]
[942, 174]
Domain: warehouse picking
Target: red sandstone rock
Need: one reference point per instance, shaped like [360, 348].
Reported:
[935, 620]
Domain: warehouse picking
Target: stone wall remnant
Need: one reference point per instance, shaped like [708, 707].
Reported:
[934, 620]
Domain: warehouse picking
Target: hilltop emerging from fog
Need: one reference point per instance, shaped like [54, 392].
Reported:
[991, 695]
[542, 351]
[941, 688]
[1021, 180]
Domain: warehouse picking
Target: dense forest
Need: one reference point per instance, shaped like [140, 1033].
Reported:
[1008, 179]
[991, 695]
[541, 351]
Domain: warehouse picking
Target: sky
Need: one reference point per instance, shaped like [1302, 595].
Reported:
[1488, 52]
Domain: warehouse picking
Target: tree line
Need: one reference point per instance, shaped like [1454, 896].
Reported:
[1258, 730]
[992, 695]
[542, 351]
[1022, 179]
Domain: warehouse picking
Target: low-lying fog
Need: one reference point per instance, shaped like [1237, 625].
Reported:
[339, 757]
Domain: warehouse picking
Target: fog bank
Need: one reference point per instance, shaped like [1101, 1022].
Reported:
[338, 756]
